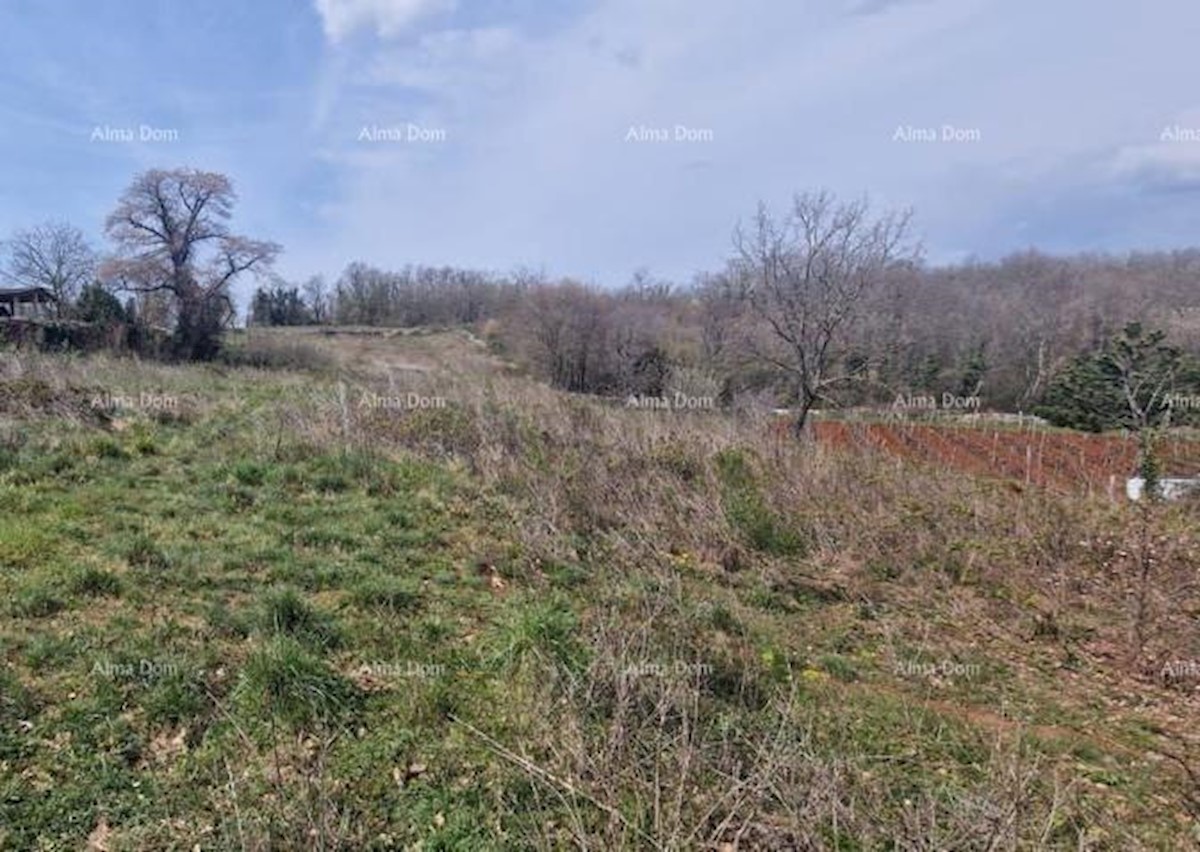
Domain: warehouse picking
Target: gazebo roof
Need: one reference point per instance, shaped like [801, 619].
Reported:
[26, 294]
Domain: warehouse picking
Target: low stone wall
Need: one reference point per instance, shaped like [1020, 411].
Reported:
[1168, 489]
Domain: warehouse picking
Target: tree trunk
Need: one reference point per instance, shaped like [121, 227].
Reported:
[798, 425]
[198, 332]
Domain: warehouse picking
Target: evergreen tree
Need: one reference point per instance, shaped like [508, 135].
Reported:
[97, 305]
[1130, 384]
[1083, 396]
[973, 372]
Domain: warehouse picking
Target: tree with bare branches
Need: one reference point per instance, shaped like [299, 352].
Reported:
[318, 299]
[805, 277]
[172, 236]
[54, 255]
[569, 324]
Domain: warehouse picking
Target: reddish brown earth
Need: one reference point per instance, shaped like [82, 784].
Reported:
[1060, 460]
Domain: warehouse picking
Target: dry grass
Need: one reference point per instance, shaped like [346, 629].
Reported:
[715, 638]
[1042, 585]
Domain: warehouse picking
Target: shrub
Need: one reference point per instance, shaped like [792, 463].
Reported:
[249, 473]
[389, 594]
[748, 512]
[439, 431]
[285, 612]
[36, 601]
[142, 552]
[95, 582]
[284, 680]
[176, 697]
[272, 354]
[97, 305]
[105, 447]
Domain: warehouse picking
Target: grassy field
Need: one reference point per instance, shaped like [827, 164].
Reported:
[380, 591]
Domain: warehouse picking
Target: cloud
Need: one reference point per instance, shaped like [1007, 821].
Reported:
[873, 7]
[388, 18]
[1160, 168]
[443, 60]
[1172, 164]
[536, 166]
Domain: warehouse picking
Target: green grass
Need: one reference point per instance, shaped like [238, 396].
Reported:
[284, 612]
[284, 680]
[761, 527]
[221, 631]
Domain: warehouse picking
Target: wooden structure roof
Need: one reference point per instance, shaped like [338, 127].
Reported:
[12, 295]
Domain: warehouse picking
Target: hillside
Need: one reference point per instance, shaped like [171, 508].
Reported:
[388, 592]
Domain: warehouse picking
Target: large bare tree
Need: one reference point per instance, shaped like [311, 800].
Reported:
[53, 255]
[171, 233]
[805, 277]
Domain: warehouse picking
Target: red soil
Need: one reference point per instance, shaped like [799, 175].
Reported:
[1060, 460]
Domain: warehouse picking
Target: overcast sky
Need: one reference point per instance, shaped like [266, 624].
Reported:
[593, 137]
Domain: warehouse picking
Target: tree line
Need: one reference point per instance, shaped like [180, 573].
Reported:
[828, 305]
[824, 304]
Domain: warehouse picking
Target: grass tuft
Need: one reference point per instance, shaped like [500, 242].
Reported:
[283, 680]
[283, 611]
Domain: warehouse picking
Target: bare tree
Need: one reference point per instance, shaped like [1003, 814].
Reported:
[569, 328]
[171, 234]
[54, 255]
[316, 294]
[645, 287]
[805, 277]
[548, 319]
[720, 303]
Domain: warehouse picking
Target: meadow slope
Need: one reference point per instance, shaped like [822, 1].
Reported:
[382, 591]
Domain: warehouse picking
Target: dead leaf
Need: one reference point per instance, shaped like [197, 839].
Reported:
[98, 840]
[167, 746]
[413, 772]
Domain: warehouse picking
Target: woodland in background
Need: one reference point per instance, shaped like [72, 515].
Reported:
[1017, 333]
[827, 306]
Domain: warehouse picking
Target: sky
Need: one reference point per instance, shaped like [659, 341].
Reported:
[592, 138]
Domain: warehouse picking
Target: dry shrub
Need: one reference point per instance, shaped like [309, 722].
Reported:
[661, 743]
[649, 485]
[276, 353]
